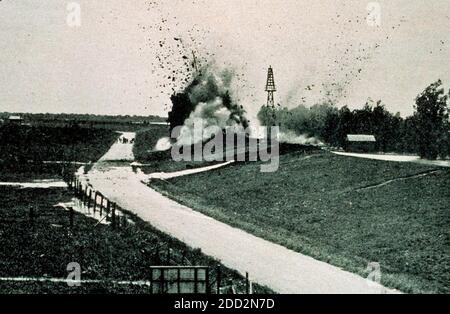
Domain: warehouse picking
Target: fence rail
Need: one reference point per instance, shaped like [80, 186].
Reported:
[98, 202]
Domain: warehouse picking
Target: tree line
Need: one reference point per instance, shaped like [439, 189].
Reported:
[58, 117]
[426, 132]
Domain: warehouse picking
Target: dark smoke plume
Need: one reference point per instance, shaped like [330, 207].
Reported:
[206, 101]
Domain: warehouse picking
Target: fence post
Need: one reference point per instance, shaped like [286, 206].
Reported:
[162, 281]
[233, 287]
[95, 201]
[113, 215]
[208, 287]
[74, 187]
[151, 281]
[179, 281]
[89, 198]
[83, 195]
[247, 284]
[219, 278]
[80, 190]
[86, 198]
[195, 280]
[101, 204]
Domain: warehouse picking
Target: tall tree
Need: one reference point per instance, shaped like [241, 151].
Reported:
[268, 116]
[431, 121]
[345, 125]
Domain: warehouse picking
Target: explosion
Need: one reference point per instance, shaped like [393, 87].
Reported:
[206, 101]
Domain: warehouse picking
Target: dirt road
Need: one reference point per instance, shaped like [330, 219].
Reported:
[170, 175]
[121, 151]
[279, 268]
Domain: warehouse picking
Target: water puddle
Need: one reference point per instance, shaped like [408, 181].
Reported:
[37, 184]
[93, 204]
[98, 213]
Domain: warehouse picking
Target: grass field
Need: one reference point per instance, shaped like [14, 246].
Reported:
[24, 149]
[44, 249]
[23, 143]
[317, 204]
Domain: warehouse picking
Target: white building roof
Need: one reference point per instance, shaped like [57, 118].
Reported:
[360, 138]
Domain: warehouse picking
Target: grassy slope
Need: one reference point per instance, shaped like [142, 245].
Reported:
[158, 161]
[146, 141]
[311, 206]
[102, 252]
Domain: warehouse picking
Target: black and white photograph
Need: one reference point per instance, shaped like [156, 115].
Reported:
[223, 152]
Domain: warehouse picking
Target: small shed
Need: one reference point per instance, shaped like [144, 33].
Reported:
[360, 143]
[15, 120]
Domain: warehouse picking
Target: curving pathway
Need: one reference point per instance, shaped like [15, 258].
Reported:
[269, 264]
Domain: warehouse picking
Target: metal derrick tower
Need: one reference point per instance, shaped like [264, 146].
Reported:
[271, 118]
[270, 88]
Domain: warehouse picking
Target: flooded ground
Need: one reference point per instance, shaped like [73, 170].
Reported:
[37, 184]
[98, 213]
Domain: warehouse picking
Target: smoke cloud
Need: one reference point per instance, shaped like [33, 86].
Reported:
[206, 102]
[303, 139]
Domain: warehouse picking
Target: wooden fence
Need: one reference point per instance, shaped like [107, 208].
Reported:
[99, 203]
[164, 279]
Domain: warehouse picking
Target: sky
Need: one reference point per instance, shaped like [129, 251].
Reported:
[129, 56]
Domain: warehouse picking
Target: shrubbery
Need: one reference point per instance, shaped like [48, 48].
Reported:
[425, 133]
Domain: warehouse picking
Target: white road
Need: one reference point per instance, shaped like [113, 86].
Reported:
[181, 173]
[399, 158]
[275, 266]
[121, 151]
